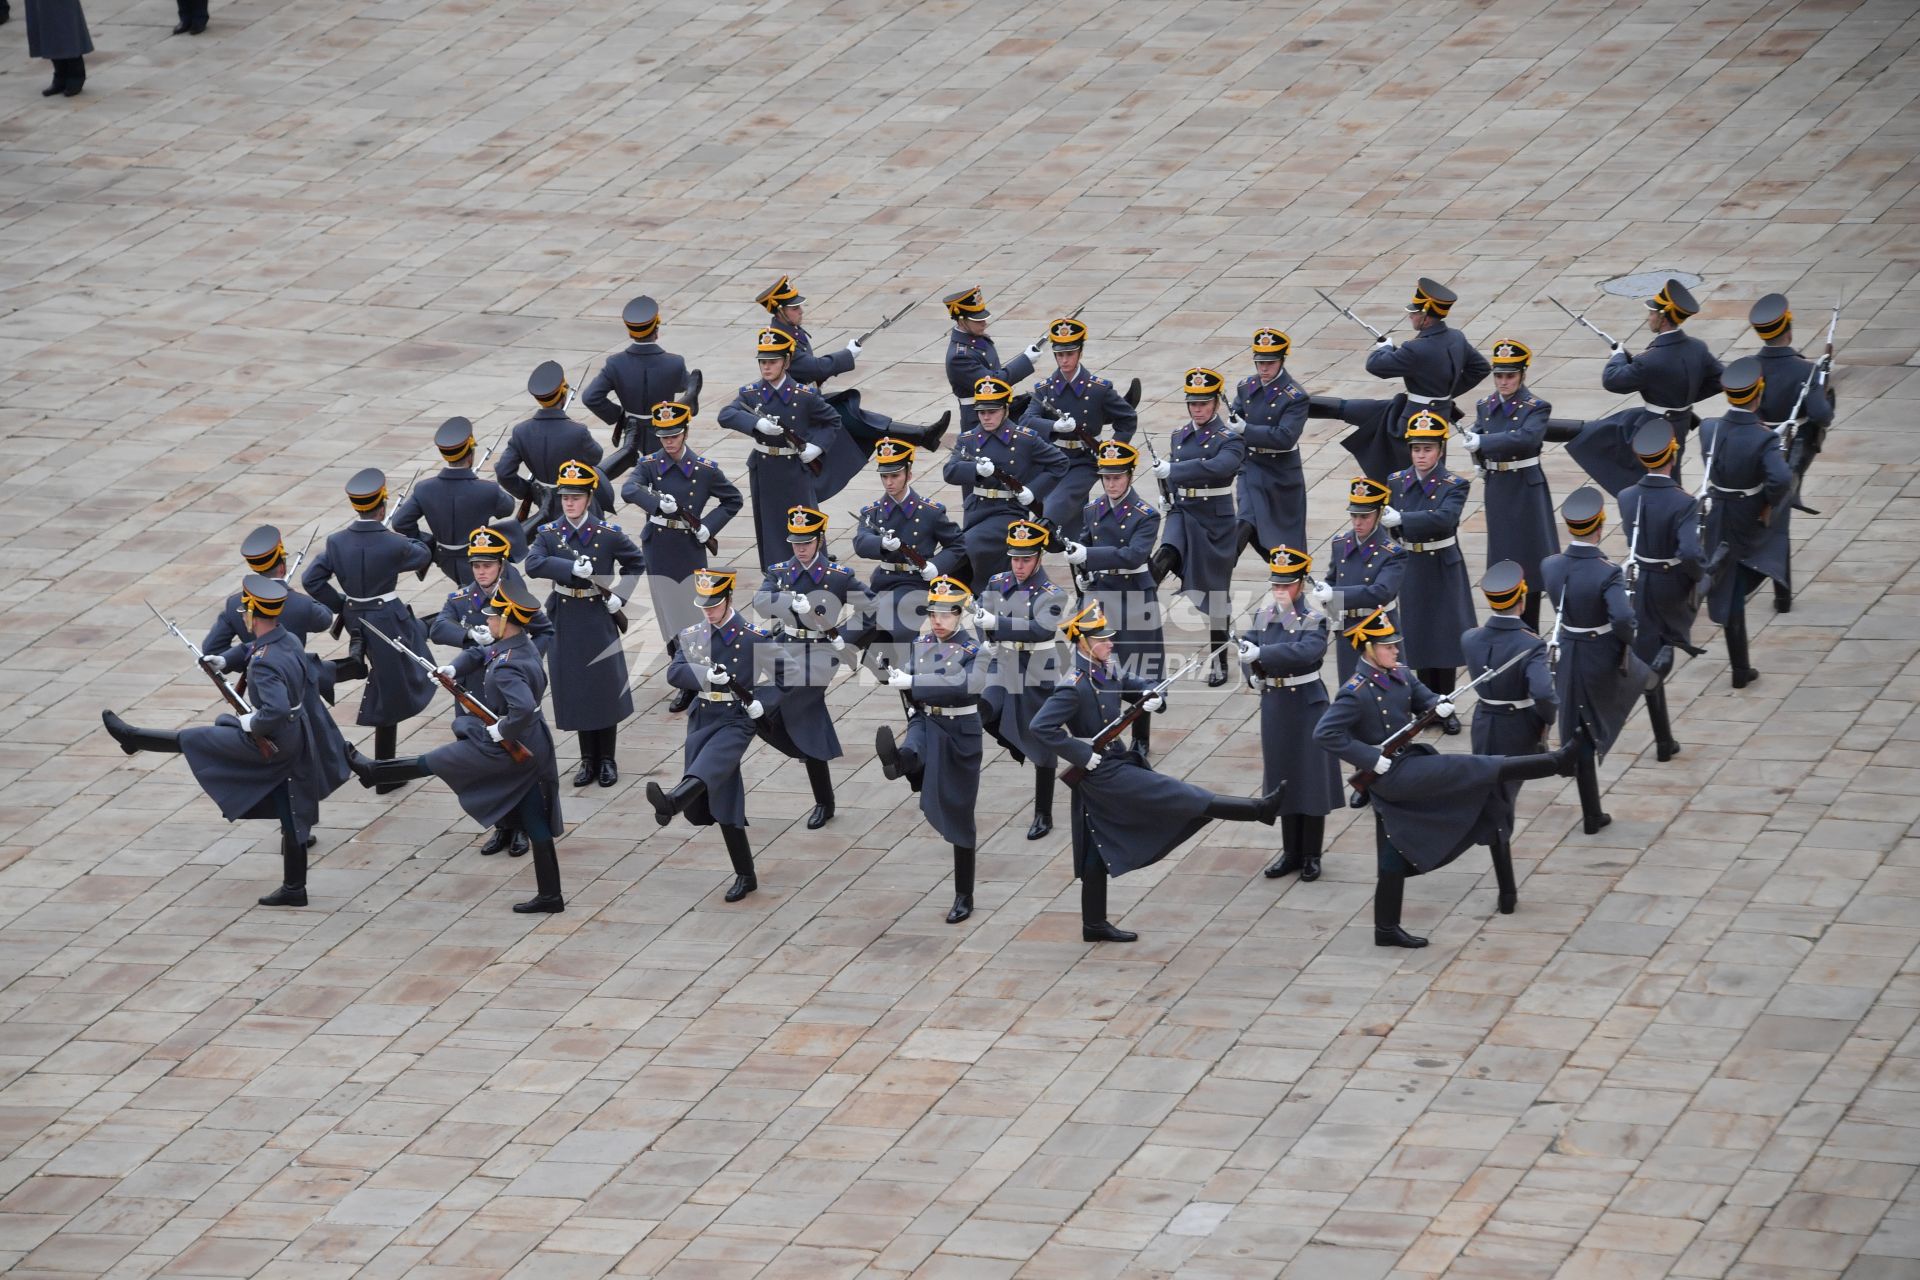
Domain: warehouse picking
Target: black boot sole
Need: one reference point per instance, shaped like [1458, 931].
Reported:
[285, 897]
[662, 807]
[740, 888]
[962, 908]
[1397, 937]
[1594, 826]
[822, 814]
[540, 906]
[1041, 829]
[1107, 933]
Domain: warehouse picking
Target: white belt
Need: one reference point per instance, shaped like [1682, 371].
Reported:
[717, 697]
[391, 595]
[1361, 613]
[451, 546]
[1288, 682]
[1441, 545]
[774, 450]
[806, 633]
[1654, 560]
[1586, 631]
[1429, 399]
[1661, 408]
[583, 593]
[1026, 646]
[1261, 449]
[900, 566]
[1742, 493]
[1121, 573]
[1519, 704]
[1074, 443]
[1518, 464]
[951, 711]
[1219, 491]
[988, 491]
[966, 402]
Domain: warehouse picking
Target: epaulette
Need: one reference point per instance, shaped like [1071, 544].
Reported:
[608, 524]
[455, 595]
[551, 524]
[1451, 478]
[1050, 585]
[1105, 382]
[1293, 389]
[749, 389]
[1078, 674]
[999, 579]
[1353, 682]
[972, 649]
[937, 506]
[1535, 402]
[748, 626]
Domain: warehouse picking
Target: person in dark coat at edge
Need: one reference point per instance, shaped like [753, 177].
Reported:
[792, 430]
[972, 356]
[1748, 488]
[1597, 676]
[453, 503]
[1508, 431]
[57, 31]
[1125, 815]
[1663, 530]
[630, 384]
[731, 666]
[1436, 597]
[864, 429]
[1437, 365]
[365, 560]
[541, 444]
[279, 760]
[1200, 537]
[688, 501]
[1365, 567]
[1675, 372]
[594, 567]
[1283, 652]
[939, 683]
[1784, 372]
[1428, 808]
[1515, 708]
[479, 765]
[465, 623]
[1273, 487]
[1018, 617]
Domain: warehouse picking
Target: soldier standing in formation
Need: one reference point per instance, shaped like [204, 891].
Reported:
[1365, 566]
[1784, 373]
[279, 760]
[1749, 488]
[1438, 365]
[1019, 615]
[1427, 522]
[688, 500]
[1200, 539]
[1118, 531]
[1283, 652]
[1506, 438]
[991, 452]
[541, 444]
[624, 393]
[971, 356]
[453, 503]
[914, 541]
[940, 683]
[1663, 530]
[1071, 406]
[792, 430]
[1273, 486]
[578, 553]
[504, 772]
[1675, 372]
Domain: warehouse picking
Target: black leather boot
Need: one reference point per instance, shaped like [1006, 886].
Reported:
[888, 753]
[963, 857]
[1094, 925]
[1548, 764]
[741, 856]
[928, 438]
[386, 775]
[546, 882]
[821, 780]
[293, 874]
[1502, 850]
[1664, 746]
[1164, 562]
[386, 738]
[1313, 835]
[1143, 736]
[1735, 632]
[589, 763]
[1290, 859]
[499, 840]
[607, 773]
[1587, 776]
[1217, 668]
[520, 845]
[132, 739]
[1262, 809]
[1388, 891]
[1042, 804]
[681, 700]
[668, 803]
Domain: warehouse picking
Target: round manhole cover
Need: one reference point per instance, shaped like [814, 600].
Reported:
[1644, 284]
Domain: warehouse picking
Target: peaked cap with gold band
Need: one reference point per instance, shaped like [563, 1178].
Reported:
[1202, 384]
[1770, 316]
[1504, 586]
[774, 343]
[670, 418]
[966, 304]
[991, 393]
[1432, 297]
[1025, 537]
[1376, 628]
[1088, 624]
[1116, 455]
[1742, 381]
[1366, 495]
[1067, 334]
[780, 293]
[367, 489]
[1510, 355]
[1674, 302]
[892, 455]
[947, 595]
[1654, 443]
[710, 585]
[1427, 427]
[547, 384]
[642, 318]
[262, 595]
[513, 602]
[1288, 564]
[1271, 344]
[1584, 511]
[804, 524]
[262, 549]
[454, 439]
[488, 543]
[576, 475]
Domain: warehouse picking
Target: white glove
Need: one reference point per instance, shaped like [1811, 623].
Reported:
[929, 571]
[890, 540]
[1471, 441]
[984, 620]
[246, 722]
[755, 710]
[853, 347]
[582, 567]
[1249, 651]
[983, 467]
[216, 663]
[1032, 353]
[1383, 764]
[1163, 468]
[809, 453]
[448, 672]
[1383, 341]
[1320, 593]
[1235, 421]
[1065, 425]
[1025, 495]
[1618, 349]
[493, 731]
[1390, 518]
[479, 635]
[1153, 702]
[1443, 708]
[1094, 762]
[713, 676]
[701, 532]
[669, 505]
[1076, 552]
[768, 427]
[898, 679]
[614, 602]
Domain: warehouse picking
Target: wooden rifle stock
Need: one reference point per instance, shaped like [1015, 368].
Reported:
[472, 706]
[1361, 779]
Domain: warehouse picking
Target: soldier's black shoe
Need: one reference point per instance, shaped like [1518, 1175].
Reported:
[1595, 825]
[588, 771]
[1310, 870]
[1217, 671]
[888, 753]
[741, 887]
[937, 431]
[1745, 676]
[1662, 664]
[180, 28]
[1395, 936]
[1042, 826]
[1284, 865]
[691, 396]
[1508, 901]
[520, 846]
[1269, 805]
[309, 842]
[608, 773]
[682, 699]
[499, 840]
[132, 740]
[961, 909]
[1782, 599]
[822, 814]
[1451, 726]
[663, 809]
[286, 895]
[362, 767]
[1566, 761]
[1665, 751]
[541, 903]
[1105, 932]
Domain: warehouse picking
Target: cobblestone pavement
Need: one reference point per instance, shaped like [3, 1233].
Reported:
[241, 266]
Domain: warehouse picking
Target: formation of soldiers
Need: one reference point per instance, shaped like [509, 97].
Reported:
[962, 617]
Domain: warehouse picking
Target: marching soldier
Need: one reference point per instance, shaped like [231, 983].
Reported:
[1438, 365]
[541, 444]
[279, 760]
[466, 623]
[688, 500]
[1119, 529]
[366, 559]
[1663, 530]
[1428, 808]
[940, 682]
[1748, 488]
[804, 598]
[1200, 539]
[1506, 438]
[1427, 523]
[792, 429]
[453, 503]
[1674, 373]
[1071, 406]
[299, 616]
[624, 393]
[1125, 815]
[729, 664]
[1784, 373]
[1283, 652]
[914, 541]
[971, 356]
[1273, 488]
[577, 553]
[992, 445]
[1365, 567]
[1516, 703]
[1019, 615]
[1597, 677]
[864, 428]
[504, 773]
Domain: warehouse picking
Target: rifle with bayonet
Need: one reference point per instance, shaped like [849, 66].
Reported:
[293, 566]
[1071, 774]
[1580, 318]
[1377, 335]
[468, 703]
[885, 324]
[1361, 779]
[234, 698]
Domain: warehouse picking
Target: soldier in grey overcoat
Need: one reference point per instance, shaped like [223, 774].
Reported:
[541, 444]
[1272, 409]
[57, 31]
[1019, 615]
[914, 541]
[1365, 567]
[1674, 373]
[1200, 537]
[972, 356]
[1748, 489]
[1666, 564]
[1117, 532]
[630, 383]
[792, 430]
[453, 504]
[1508, 430]
[1436, 596]
[1437, 366]
[1070, 407]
